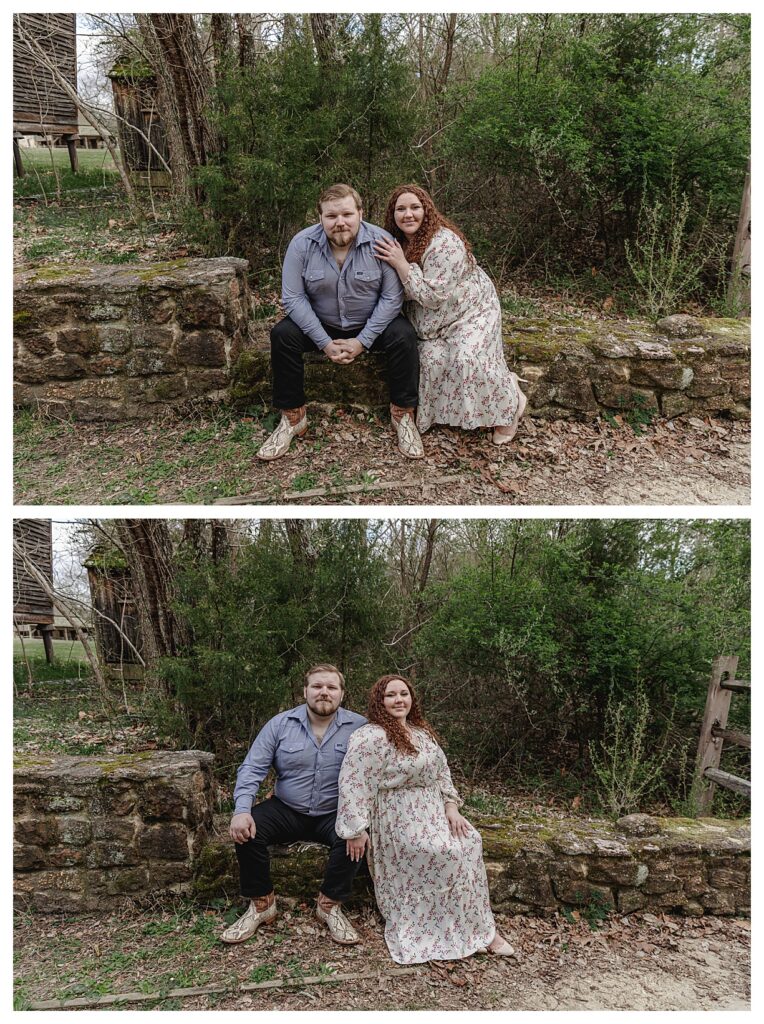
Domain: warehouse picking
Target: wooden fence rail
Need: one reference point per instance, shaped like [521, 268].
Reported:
[714, 732]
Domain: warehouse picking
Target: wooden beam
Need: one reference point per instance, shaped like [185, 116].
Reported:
[729, 781]
[736, 685]
[742, 739]
[18, 163]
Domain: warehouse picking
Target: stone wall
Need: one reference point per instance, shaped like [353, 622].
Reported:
[102, 342]
[87, 830]
[677, 865]
[575, 369]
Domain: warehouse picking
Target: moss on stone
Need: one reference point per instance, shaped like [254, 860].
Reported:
[122, 761]
[159, 269]
[22, 761]
[22, 316]
[57, 273]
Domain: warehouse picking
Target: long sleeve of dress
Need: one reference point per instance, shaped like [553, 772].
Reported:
[359, 780]
[445, 782]
[444, 264]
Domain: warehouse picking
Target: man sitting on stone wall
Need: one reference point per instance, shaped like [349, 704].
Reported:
[340, 299]
[306, 747]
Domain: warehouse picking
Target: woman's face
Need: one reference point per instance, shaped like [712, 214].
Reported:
[397, 699]
[409, 213]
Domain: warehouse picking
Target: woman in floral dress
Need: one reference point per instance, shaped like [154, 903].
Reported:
[398, 801]
[464, 380]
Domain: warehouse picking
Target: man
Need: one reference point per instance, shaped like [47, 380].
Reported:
[306, 747]
[341, 300]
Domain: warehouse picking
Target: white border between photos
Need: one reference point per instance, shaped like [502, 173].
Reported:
[373, 512]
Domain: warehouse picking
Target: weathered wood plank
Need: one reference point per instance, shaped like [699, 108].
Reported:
[736, 685]
[742, 739]
[729, 781]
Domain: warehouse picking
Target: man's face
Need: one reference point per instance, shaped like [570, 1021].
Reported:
[340, 220]
[323, 693]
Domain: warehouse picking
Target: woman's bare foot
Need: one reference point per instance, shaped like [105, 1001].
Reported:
[500, 947]
[503, 435]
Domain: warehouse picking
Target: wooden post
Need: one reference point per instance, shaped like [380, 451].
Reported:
[739, 290]
[17, 161]
[47, 641]
[71, 145]
[710, 747]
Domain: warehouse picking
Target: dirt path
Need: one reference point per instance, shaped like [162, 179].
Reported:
[632, 963]
[350, 459]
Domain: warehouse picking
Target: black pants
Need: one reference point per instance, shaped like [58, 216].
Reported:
[398, 341]
[276, 823]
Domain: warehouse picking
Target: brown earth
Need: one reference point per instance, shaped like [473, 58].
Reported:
[634, 963]
[351, 459]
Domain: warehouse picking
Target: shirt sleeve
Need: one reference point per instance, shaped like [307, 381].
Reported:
[445, 782]
[389, 304]
[294, 296]
[255, 767]
[444, 264]
[359, 781]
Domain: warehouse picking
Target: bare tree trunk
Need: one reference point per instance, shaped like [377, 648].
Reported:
[324, 29]
[147, 547]
[424, 572]
[441, 79]
[221, 32]
[186, 85]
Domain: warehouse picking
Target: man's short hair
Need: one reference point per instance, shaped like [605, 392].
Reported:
[324, 668]
[335, 192]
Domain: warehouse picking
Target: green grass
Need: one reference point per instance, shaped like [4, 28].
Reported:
[48, 171]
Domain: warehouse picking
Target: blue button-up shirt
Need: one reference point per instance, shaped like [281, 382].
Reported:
[306, 773]
[365, 294]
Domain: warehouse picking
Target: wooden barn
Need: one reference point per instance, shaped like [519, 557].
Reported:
[115, 620]
[31, 604]
[41, 106]
[134, 90]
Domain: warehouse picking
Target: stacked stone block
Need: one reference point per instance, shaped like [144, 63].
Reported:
[101, 342]
[87, 830]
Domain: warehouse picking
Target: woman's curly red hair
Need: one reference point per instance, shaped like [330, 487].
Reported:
[394, 728]
[432, 222]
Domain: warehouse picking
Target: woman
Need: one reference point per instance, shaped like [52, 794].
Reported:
[426, 859]
[464, 380]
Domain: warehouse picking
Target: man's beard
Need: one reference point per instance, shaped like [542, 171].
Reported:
[323, 708]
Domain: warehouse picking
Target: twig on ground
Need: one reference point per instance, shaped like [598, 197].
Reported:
[321, 492]
[186, 993]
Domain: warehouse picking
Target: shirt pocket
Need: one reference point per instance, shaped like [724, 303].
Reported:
[340, 749]
[291, 752]
[367, 277]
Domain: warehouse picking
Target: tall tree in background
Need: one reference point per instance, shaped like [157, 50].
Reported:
[174, 47]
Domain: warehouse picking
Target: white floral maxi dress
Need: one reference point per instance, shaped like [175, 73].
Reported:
[431, 887]
[464, 380]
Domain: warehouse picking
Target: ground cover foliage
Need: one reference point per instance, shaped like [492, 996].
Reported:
[569, 657]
